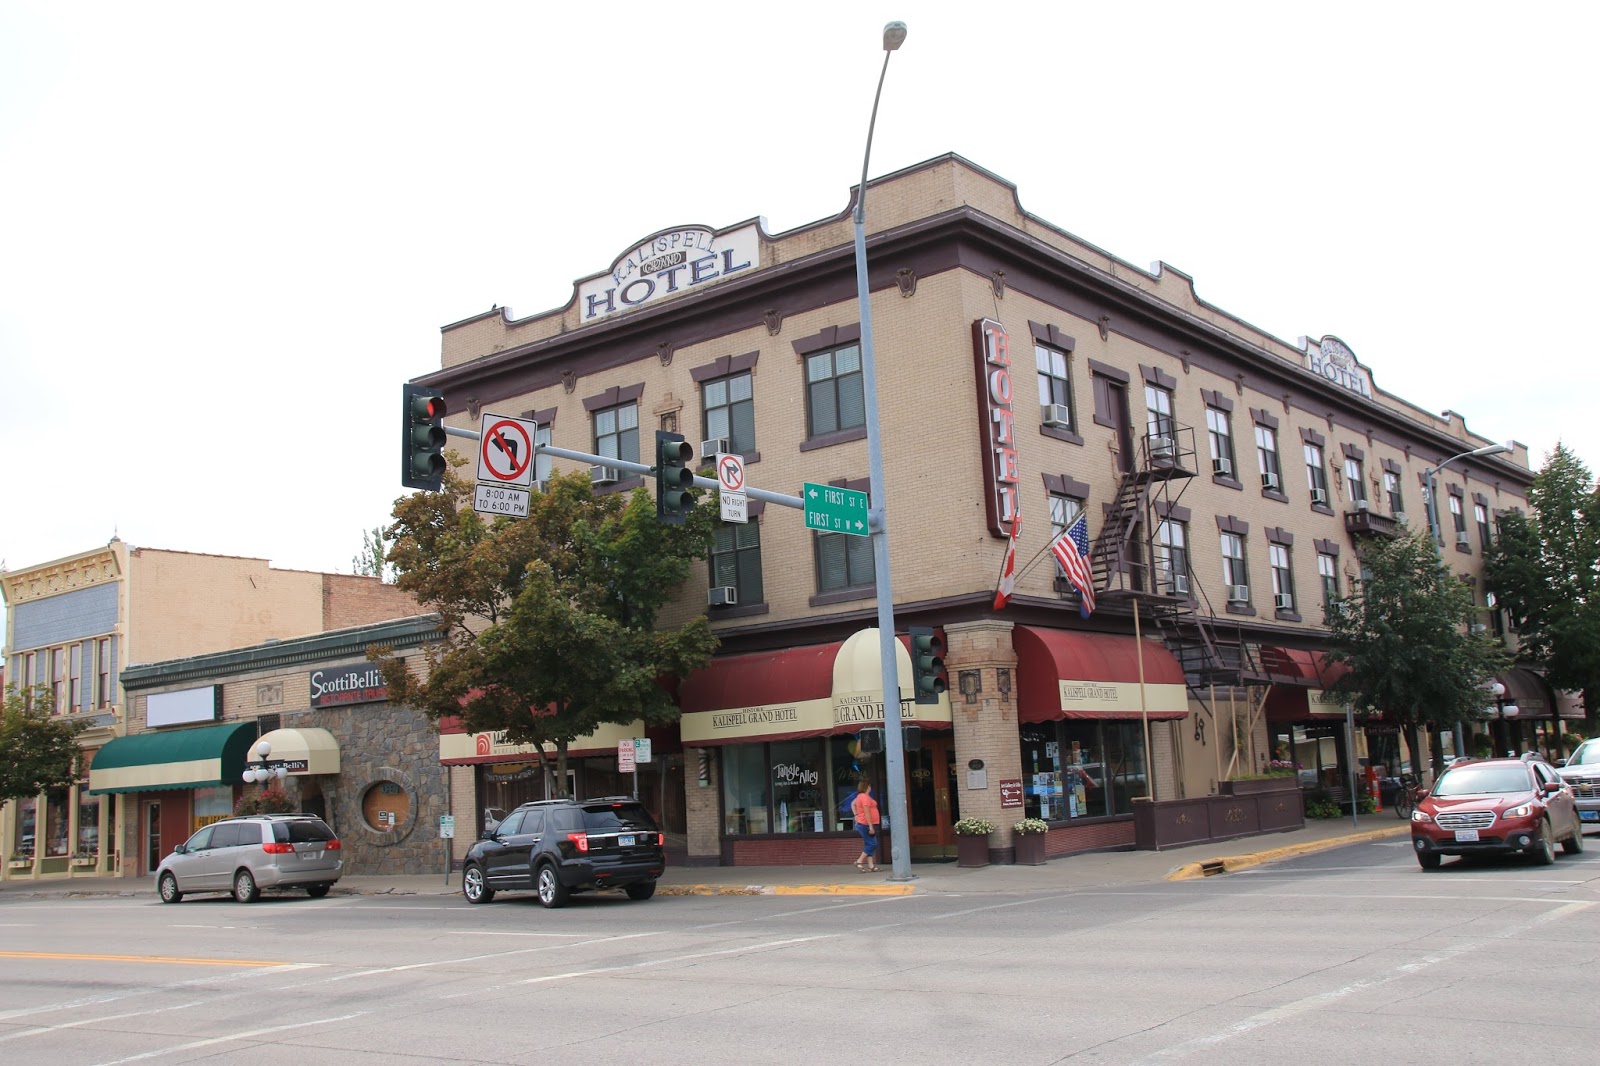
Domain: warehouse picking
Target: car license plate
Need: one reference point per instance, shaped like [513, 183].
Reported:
[625, 840]
[1466, 835]
[1589, 816]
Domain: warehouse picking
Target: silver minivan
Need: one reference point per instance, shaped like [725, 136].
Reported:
[247, 854]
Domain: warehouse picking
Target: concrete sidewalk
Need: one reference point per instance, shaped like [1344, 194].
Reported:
[1094, 870]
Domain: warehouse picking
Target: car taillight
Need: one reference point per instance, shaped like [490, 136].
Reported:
[579, 840]
[278, 849]
[661, 840]
[331, 845]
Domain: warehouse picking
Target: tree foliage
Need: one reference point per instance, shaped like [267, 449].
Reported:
[549, 621]
[1545, 572]
[38, 751]
[1406, 639]
[372, 560]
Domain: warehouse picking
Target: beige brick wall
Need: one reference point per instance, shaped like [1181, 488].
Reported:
[186, 603]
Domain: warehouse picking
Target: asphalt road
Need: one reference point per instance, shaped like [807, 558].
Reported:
[1352, 955]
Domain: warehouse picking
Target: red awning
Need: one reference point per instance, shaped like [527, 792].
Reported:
[761, 678]
[1046, 657]
[1287, 703]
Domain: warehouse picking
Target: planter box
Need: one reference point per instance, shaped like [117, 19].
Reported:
[1257, 785]
[18, 864]
[78, 864]
[1030, 849]
[972, 850]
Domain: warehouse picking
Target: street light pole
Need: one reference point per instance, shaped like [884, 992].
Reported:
[1433, 524]
[894, 34]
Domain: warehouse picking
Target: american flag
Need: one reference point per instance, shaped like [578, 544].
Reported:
[1071, 549]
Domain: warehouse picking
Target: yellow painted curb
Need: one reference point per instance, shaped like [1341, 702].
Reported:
[1206, 867]
[784, 890]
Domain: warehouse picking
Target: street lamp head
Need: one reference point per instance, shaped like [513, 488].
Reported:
[1491, 449]
[894, 35]
[263, 749]
[1496, 689]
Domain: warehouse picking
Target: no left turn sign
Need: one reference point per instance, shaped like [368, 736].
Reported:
[505, 450]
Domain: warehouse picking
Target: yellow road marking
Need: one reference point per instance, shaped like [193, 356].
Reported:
[139, 958]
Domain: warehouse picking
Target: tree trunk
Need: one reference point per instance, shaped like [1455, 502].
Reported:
[561, 769]
[1409, 732]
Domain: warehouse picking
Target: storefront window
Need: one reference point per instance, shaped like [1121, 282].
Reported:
[793, 786]
[88, 821]
[1082, 769]
[55, 825]
[27, 826]
[211, 805]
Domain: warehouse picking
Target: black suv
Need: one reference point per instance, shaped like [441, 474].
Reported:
[558, 847]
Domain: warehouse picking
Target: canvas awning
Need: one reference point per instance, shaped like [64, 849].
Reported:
[172, 758]
[305, 751]
[1063, 673]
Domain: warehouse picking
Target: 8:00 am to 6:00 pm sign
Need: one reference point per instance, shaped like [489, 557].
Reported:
[500, 499]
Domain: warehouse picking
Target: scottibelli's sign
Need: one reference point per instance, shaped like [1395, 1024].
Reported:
[347, 684]
[670, 263]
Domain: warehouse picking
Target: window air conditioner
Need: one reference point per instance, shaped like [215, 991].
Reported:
[1400, 516]
[1461, 540]
[1269, 480]
[1283, 601]
[723, 596]
[1363, 505]
[1222, 465]
[1161, 449]
[1238, 593]
[1180, 584]
[709, 449]
[1319, 496]
[1056, 414]
[604, 475]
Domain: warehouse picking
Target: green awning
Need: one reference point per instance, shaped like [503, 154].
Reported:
[173, 758]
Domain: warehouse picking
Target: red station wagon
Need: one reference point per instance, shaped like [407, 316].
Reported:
[1496, 806]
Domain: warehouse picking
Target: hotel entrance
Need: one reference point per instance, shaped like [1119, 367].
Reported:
[931, 796]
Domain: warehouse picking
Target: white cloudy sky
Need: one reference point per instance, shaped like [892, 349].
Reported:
[228, 231]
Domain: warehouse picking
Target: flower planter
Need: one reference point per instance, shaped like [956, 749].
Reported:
[1257, 785]
[972, 850]
[1030, 849]
[18, 864]
[81, 864]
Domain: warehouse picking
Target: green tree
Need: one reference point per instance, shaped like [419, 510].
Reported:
[549, 622]
[1406, 639]
[1545, 572]
[38, 752]
[372, 560]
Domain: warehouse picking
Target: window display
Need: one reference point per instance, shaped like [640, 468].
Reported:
[1082, 768]
[792, 786]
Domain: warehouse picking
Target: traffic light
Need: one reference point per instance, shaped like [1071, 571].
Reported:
[674, 477]
[927, 665]
[422, 462]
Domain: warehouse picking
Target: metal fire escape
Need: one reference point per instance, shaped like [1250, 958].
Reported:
[1131, 563]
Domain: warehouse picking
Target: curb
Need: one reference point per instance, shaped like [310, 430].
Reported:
[1209, 867]
[784, 890]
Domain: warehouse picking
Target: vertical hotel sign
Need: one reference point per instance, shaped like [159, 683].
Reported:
[992, 350]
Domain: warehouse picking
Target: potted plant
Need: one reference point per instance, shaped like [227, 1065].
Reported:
[972, 841]
[19, 861]
[81, 859]
[1030, 841]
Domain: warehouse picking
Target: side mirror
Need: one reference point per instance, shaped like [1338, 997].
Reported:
[1422, 794]
[181, 849]
[1561, 761]
[1551, 787]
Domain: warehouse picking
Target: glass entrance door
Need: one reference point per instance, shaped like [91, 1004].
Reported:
[152, 821]
[931, 795]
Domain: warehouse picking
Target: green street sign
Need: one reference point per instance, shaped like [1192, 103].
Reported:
[836, 510]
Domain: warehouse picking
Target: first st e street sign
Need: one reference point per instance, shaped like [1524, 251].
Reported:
[835, 510]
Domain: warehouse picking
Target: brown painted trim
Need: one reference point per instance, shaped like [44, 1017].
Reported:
[1327, 547]
[830, 337]
[546, 417]
[1226, 482]
[1213, 398]
[1051, 335]
[1392, 467]
[1262, 417]
[1287, 616]
[1322, 508]
[1311, 436]
[627, 484]
[1154, 375]
[613, 397]
[1480, 499]
[724, 366]
[1173, 512]
[1057, 433]
[823, 599]
[1234, 608]
[1352, 452]
[1231, 524]
[744, 610]
[1279, 535]
[1106, 370]
[828, 440]
[1454, 490]
[1066, 485]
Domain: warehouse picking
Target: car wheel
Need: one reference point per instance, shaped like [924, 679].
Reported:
[244, 887]
[642, 890]
[474, 887]
[317, 891]
[1544, 852]
[552, 893]
[1573, 845]
[1429, 860]
[168, 888]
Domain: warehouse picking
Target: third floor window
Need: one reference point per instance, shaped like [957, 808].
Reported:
[730, 411]
[834, 396]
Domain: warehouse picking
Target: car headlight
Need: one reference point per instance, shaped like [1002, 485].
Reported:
[1521, 811]
[1421, 816]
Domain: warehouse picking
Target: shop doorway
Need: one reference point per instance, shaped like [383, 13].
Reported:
[931, 796]
[152, 836]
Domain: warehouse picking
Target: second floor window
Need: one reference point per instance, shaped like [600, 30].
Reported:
[103, 696]
[844, 562]
[730, 412]
[1457, 518]
[1220, 430]
[616, 432]
[1158, 411]
[1328, 572]
[1172, 557]
[1282, 577]
[834, 396]
[1235, 573]
[1055, 383]
[736, 560]
[1480, 514]
[1355, 488]
[1316, 474]
[1391, 488]
[1267, 458]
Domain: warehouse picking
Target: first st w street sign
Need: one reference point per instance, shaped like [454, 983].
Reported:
[835, 510]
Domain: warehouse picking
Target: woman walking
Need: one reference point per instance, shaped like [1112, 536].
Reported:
[864, 809]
